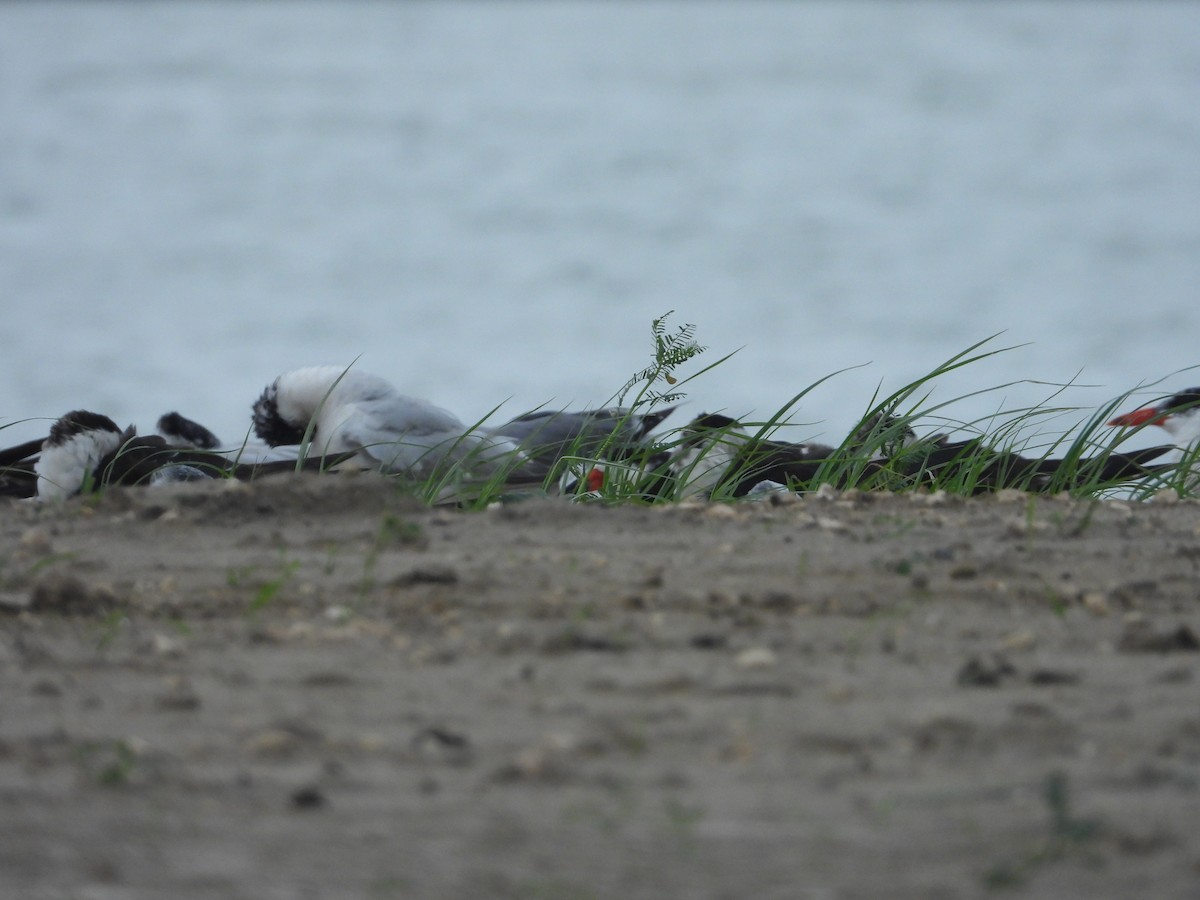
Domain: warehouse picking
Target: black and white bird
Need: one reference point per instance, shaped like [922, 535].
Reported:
[976, 468]
[350, 412]
[87, 450]
[180, 431]
[78, 448]
[717, 453]
[76, 452]
[1178, 415]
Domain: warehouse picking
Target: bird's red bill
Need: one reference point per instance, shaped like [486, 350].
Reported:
[595, 479]
[1139, 417]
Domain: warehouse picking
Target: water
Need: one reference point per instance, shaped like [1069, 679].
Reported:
[488, 203]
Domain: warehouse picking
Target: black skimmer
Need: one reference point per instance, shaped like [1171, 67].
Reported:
[973, 467]
[72, 455]
[1178, 415]
[717, 453]
[902, 459]
[80, 443]
[180, 431]
[87, 450]
[349, 412]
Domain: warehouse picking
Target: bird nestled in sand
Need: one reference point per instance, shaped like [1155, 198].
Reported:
[341, 411]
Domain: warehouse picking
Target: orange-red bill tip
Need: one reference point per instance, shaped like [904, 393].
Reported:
[1142, 416]
[595, 479]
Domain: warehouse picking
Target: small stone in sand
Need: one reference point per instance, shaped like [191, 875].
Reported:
[755, 658]
[978, 672]
[308, 798]
[1139, 637]
[61, 593]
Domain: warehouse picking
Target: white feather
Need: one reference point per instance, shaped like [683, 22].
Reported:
[1183, 427]
[702, 462]
[63, 468]
[355, 412]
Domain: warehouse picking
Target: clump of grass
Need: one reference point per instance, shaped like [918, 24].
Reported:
[684, 819]
[111, 763]
[1184, 478]
[880, 434]
[266, 592]
[639, 474]
[269, 590]
[392, 530]
[1066, 834]
[109, 627]
[670, 352]
[456, 473]
[1007, 449]
[657, 385]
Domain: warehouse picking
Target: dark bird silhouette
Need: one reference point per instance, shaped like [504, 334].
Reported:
[717, 454]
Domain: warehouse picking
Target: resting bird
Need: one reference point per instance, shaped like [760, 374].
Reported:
[347, 411]
[87, 450]
[976, 468]
[548, 435]
[719, 454]
[362, 414]
[1178, 415]
[180, 431]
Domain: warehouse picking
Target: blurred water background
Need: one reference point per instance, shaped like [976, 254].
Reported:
[488, 203]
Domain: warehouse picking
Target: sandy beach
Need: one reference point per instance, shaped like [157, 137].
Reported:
[315, 686]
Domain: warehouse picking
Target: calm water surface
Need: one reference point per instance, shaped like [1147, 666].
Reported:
[488, 203]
